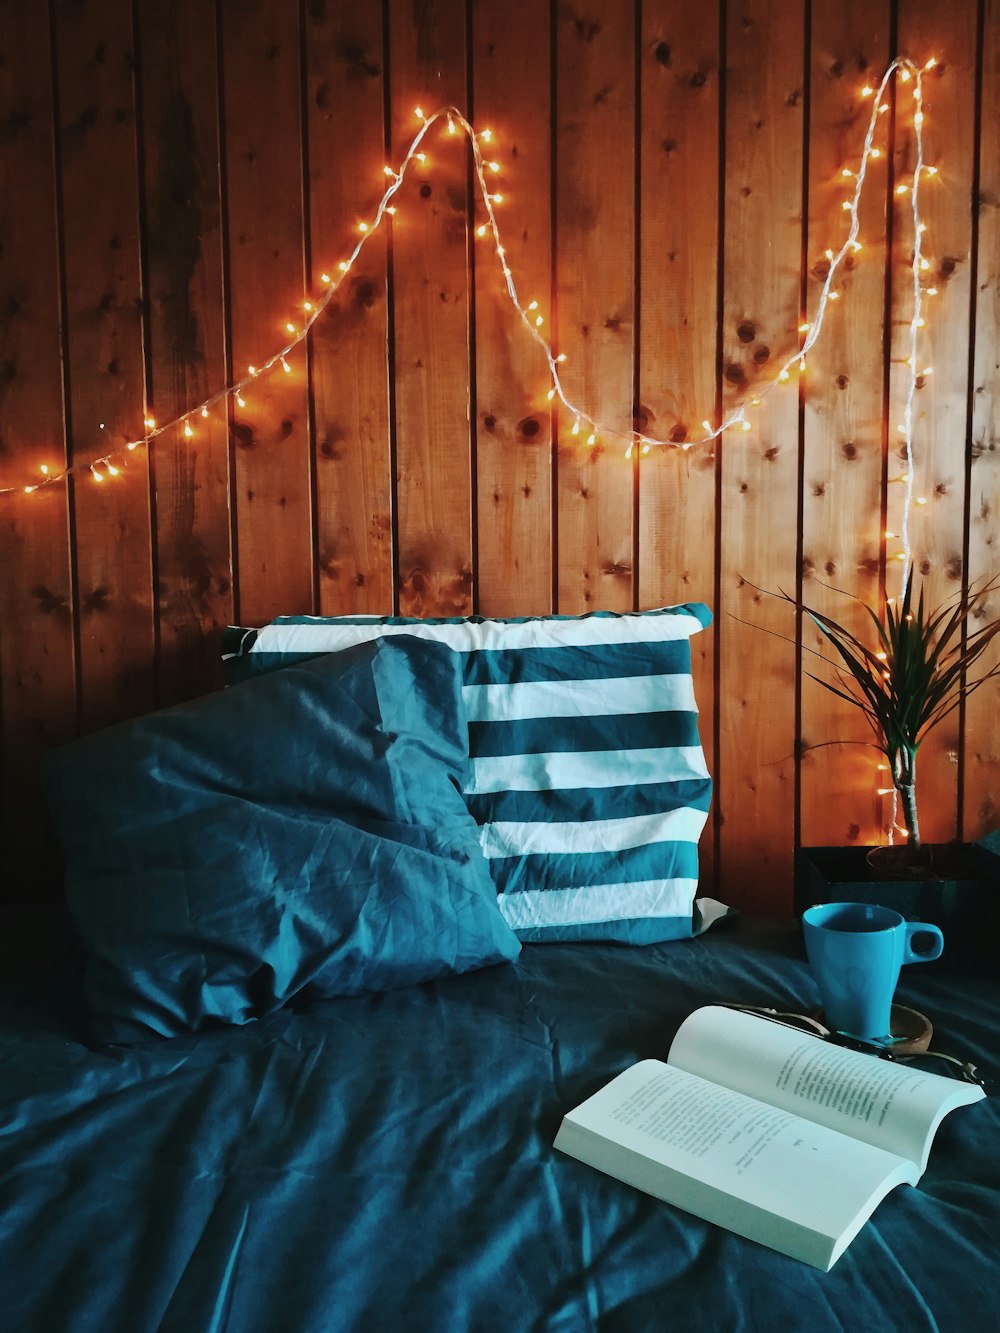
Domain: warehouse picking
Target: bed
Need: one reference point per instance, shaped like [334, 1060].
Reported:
[234, 1097]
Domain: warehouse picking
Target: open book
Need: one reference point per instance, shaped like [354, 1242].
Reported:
[766, 1130]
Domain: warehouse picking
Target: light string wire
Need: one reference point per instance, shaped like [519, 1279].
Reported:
[919, 264]
[109, 464]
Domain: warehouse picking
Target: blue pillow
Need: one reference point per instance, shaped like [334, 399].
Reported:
[588, 777]
[303, 835]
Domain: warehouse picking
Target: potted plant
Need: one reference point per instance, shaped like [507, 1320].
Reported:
[921, 666]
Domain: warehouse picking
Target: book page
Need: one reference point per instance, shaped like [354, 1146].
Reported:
[869, 1099]
[753, 1168]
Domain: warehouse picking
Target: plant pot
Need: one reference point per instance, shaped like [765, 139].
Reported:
[957, 887]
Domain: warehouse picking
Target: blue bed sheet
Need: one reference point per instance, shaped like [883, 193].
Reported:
[385, 1163]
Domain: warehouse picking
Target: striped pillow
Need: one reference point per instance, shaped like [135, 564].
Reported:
[588, 778]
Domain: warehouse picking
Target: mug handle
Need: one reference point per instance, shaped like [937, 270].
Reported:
[931, 949]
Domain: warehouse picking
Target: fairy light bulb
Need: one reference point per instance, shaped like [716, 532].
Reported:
[204, 411]
[188, 432]
[150, 423]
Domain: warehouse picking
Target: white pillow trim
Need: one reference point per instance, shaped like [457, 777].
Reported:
[486, 636]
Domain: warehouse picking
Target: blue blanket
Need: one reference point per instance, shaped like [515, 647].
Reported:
[385, 1163]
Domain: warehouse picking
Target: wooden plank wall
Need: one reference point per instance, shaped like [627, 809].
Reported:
[178, 179]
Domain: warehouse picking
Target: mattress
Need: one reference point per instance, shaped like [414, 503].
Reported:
[385, 1161]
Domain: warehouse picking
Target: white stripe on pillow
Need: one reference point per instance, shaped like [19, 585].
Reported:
[591, 835]
[579, 698]
[573, 770]
[594, 903]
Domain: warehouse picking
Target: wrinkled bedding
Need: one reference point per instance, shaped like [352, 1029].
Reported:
[384, 1162]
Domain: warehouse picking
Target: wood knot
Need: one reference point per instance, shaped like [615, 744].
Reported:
[425, 191]
[761, 354]
[529, 427]
[661, 53]
[841, 381]
[735, 373]
[746, 332]
[679, 434]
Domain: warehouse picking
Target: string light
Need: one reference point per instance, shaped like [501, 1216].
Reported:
[455, 122]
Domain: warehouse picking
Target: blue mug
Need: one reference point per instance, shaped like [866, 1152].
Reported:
[856, 951]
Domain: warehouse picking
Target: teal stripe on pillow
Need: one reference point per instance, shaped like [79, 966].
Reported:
[587, 776]
[516, 807]
[535, 735]
[602, 661]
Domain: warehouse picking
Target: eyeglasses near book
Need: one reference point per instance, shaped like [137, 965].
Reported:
[899, 1049]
